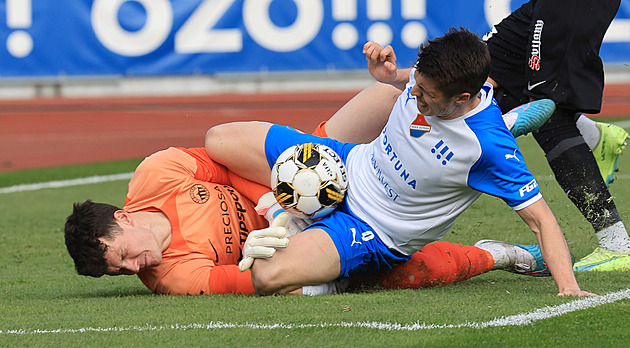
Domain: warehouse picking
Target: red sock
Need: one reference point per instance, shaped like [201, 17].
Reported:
[436, 264]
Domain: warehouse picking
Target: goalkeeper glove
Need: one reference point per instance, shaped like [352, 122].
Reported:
[263, 243]
[270, 208]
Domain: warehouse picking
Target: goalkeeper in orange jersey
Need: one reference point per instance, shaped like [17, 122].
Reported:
[186, 219]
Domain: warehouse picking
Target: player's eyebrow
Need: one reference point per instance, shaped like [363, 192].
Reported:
[425, 91]
[113, 268]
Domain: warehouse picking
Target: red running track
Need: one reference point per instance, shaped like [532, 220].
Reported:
[51, 132]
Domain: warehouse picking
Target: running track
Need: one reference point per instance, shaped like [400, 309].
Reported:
[39, 133]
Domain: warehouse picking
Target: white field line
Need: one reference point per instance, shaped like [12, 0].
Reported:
[66, 183]
[512, 320]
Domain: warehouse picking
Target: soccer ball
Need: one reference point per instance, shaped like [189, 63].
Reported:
[309, 180]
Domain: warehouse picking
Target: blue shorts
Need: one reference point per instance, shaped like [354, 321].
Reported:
[280, 138]
[360, 249]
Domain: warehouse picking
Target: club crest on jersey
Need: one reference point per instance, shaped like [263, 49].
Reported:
[199, 194]
[419, 127]
[442, 152]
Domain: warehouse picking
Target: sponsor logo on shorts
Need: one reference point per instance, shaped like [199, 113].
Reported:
[534, 60]
[199, 194]
[365, 236]
[530, 86]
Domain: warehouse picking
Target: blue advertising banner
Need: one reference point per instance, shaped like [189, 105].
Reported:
[183, 37]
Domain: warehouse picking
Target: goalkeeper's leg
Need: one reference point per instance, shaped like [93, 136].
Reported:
[438, 263]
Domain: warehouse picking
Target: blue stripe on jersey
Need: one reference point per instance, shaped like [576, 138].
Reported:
[500, 171]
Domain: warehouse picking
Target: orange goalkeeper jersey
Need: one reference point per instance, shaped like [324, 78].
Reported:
[210, 221]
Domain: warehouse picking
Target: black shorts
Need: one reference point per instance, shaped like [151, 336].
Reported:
[550, 49]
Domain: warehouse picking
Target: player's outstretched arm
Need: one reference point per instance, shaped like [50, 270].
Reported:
[553, 246]
[362, 118]
[196, 274]
[382, 65]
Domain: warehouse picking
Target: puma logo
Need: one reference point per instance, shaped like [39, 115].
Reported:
[508, 156]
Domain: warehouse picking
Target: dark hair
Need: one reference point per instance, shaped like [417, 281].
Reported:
[88, 222]
[458, 62]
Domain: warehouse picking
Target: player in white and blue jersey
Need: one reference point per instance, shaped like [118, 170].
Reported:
[445, 143]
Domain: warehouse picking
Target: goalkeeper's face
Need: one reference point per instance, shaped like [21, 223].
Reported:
[131, 251]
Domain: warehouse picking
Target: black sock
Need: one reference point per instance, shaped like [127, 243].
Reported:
[576, 170]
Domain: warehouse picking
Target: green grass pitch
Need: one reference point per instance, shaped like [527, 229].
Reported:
[43, 302]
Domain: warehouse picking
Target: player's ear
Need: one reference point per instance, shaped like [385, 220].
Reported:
[462, 98]
[122, 217]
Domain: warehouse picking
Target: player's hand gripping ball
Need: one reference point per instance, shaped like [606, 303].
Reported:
[309, 180]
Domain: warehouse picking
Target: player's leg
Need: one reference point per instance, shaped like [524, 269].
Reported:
[507, 43]
[552, 56]
[310, 259]
[516, 258]
[438, 263]
[528, 117]
[336, 247]
[240, 146]
[362, 118]
[442, 263]
[606, 141]
[571, 60]
[577, 173]
[251, 148]
[562, 54]
[576, 170]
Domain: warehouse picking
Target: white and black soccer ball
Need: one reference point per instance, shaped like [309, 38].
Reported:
[309, 180]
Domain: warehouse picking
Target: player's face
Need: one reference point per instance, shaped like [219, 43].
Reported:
[131, 251]
[431, 101]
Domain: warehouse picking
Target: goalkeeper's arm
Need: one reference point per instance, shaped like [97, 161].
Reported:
[271, 209]
[263, 243]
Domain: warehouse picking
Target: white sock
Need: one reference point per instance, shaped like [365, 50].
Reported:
[590, 131]
[614, 238]
[336, 286]
[321, 289]
[510, 119]
[499, 254]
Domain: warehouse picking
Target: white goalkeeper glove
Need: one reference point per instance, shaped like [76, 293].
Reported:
[271, 209]
[263, 243]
